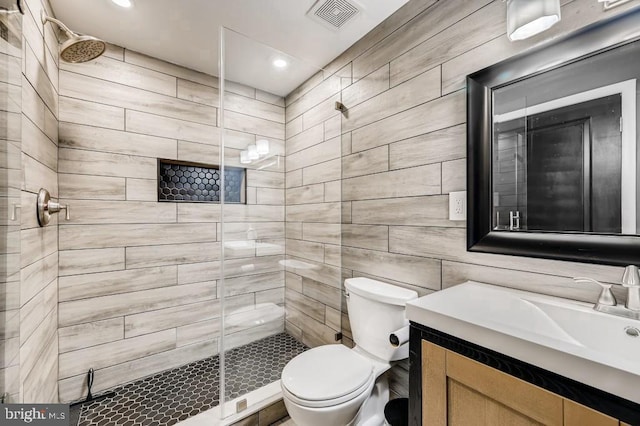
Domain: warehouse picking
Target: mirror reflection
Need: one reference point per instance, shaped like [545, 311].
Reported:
[565, 148]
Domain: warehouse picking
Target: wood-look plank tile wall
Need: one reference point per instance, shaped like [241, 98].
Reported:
[38, 293]
[10, 196]
[398, 153]
[139, 279]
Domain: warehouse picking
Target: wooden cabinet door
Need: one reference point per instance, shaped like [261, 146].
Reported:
[579, 415]
[457, 391]
[434, 385]
[500, 399]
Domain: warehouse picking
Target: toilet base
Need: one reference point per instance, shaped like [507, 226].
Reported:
[372, 411]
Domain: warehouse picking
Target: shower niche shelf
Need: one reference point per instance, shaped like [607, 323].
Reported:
[187, 182]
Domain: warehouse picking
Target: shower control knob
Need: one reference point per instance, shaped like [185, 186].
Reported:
[46, 207]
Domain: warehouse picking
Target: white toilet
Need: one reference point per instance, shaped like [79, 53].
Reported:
[337, 386]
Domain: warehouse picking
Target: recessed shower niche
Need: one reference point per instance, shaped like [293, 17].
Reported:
[180, 181]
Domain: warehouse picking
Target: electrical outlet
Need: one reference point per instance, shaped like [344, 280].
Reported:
[458, 205]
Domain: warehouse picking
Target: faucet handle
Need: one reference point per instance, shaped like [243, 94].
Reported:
[606, 296]
[631, 280]
[631, 277]
[54, 207]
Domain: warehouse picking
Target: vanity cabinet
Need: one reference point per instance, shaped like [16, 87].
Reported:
[455, 382]
[458, 391]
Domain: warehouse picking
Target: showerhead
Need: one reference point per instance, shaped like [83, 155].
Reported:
[81, 49]
[77, 48]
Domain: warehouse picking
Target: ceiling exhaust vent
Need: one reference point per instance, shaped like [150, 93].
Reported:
[334, 13]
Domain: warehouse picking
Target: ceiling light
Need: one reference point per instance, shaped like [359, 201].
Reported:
[279, 63]
[122, 3]
[244, 157]
[526, 18]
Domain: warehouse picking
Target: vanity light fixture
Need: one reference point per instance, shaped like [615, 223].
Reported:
[244, 157]
[526, 18]
[262, 146]
[253, 152]
[280, 63]
[123, 3]
[610, 4]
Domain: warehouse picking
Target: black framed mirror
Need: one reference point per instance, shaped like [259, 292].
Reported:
[553, 162]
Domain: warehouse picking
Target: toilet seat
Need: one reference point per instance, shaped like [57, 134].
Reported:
[329, 402]
[327, 375]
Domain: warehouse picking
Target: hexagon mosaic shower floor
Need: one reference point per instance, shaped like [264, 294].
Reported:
[175, 395]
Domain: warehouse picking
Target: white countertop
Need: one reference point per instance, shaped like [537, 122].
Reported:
[559, 335]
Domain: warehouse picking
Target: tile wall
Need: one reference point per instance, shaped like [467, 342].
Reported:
[313, 173]
[10, 194]
[401, 147]
[39, 246]
[137, 286]
[139, 279]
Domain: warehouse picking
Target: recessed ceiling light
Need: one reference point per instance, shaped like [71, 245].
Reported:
[279, 63]
[122, 3]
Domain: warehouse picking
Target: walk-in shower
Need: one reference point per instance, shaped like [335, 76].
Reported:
[171, 281]
[228, 187]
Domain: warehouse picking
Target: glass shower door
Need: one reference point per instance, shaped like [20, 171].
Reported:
[255, 346]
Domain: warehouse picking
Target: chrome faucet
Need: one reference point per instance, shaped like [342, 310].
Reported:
[631, 280]
[607, 302]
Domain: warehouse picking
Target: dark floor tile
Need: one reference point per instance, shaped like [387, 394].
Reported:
[174, 395]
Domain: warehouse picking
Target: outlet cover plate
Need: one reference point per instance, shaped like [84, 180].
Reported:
[458, 205]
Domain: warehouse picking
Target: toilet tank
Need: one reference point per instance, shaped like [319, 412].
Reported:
[377, 309]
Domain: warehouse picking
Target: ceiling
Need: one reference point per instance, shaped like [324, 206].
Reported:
[186, 32]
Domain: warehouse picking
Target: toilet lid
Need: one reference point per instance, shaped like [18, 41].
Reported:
[326, 372]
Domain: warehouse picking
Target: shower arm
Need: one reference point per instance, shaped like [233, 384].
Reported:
[48, 18]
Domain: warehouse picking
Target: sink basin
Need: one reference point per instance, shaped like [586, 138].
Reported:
[559, 335]
[607, 336]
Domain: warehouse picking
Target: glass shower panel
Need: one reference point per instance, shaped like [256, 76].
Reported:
[255, 346]
[10, 183]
